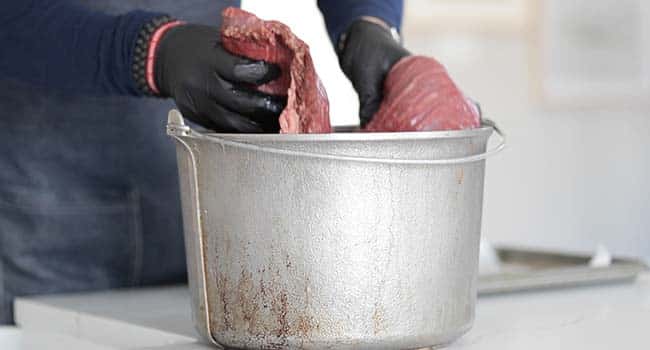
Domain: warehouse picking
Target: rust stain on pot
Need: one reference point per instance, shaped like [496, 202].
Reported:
[378, 319]
[222, 288]
[263, 289]
[257, 304]
[460, 176]
[304, 326]
[248, 301]
[280, 306]
[306, 323]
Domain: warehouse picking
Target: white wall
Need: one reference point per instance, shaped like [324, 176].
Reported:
[571, 178]
[568, 180]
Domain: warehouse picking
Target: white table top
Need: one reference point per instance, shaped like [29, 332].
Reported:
[593, 318]
[12, 338]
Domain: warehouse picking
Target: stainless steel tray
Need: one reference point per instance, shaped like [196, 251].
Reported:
[523, 270]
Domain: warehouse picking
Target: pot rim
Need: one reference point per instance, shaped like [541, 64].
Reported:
[356, 136]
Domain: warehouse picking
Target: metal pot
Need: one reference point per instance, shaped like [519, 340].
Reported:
[332, 241]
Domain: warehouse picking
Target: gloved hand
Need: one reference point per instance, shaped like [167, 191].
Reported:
[213, 87]
[368, 53]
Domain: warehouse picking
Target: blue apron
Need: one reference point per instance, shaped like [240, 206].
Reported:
[88, 185]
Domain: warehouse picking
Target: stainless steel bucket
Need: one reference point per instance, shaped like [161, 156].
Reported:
[332, 241]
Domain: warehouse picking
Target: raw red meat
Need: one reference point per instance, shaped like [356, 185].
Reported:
[307, 109]
[419, 95]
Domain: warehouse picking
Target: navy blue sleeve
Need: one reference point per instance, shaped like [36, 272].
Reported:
[57, 45]
[339, 14]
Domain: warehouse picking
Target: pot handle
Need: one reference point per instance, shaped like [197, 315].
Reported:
[178, 128]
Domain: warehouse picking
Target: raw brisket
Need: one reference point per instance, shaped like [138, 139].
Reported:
[419, 95]
[307, 109]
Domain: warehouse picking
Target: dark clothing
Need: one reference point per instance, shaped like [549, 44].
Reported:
[88, 184]
[88, 181]
[339, 14]
[62, 45]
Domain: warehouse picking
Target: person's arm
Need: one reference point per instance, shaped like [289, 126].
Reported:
[58, 45]
[340, 14]
[364, 42]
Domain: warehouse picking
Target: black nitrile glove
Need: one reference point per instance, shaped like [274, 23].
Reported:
[213, 87]
[369, 52]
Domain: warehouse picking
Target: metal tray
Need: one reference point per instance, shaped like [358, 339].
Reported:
[525, 270]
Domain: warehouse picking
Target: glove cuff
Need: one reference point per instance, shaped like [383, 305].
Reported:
[145, 50]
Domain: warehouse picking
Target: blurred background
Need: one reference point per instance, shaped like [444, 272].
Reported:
[568, 81]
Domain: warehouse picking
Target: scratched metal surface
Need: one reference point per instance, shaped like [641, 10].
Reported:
[308, 253]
